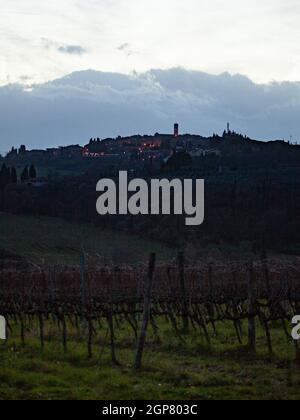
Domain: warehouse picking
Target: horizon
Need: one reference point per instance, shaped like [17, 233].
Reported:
[219, 135]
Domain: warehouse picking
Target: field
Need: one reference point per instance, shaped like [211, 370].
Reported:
[215, 331]
[172, 370]
[45, 240]
[72, 338]
[54, 241]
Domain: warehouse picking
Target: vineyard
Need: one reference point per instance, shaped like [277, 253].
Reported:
[90, 300]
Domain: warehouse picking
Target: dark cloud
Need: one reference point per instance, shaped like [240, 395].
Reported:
[126, 49]
[72, 49]
[26, 78]
[123, 47]
[90, 103]
[63, 48]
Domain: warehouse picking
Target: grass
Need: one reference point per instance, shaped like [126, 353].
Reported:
[45, 240]
[54, 241]
[171, 370]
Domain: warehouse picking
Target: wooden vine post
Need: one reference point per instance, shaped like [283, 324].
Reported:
[146, 312]
[110, 317]
[185, 303]
[51, 277]
[82, 284]
[251, 310]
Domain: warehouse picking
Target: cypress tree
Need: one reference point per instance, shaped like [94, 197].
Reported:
[32, 172]
[13, 175]
[25, 174]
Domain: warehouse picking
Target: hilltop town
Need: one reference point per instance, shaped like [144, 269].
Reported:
[141, 151]
[133, 147]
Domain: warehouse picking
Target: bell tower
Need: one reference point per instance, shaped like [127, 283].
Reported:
[176, 130]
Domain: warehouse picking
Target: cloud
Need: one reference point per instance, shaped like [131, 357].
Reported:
[123, 47]
[126, 48]
[25, 78]
[72, 49]
[90, 103]
[63, 48]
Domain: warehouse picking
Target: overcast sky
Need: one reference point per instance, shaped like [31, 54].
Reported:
[44, 40]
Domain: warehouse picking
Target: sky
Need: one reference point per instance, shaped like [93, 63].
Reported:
[73, 69]
[86, 104]
[41, 41]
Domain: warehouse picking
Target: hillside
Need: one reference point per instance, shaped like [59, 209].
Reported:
[51, 240]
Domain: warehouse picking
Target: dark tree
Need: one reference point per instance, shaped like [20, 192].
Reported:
[4, 176]
[32, 172]
[25, 174]
[179, 160]
[22, 150]
[13, 175]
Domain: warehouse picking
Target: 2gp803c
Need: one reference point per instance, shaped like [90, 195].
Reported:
[173, 410]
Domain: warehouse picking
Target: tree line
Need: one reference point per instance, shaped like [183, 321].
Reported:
[9, 175]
